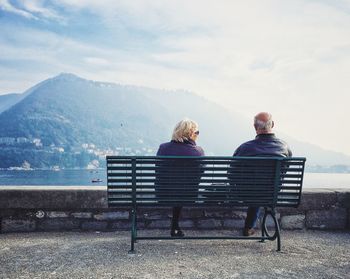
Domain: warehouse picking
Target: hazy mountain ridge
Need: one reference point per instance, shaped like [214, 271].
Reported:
[68, 121]
[8, 100]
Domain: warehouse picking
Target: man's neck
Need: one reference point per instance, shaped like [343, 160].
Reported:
[263, 132]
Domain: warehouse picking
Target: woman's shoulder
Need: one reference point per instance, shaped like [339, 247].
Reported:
[167, 148]
[165, 144]
[180, 149]
[169, 144]
[200, 151]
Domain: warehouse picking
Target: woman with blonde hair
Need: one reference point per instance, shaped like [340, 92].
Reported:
[183, 143]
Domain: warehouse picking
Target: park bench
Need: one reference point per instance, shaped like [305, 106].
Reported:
[166, 181]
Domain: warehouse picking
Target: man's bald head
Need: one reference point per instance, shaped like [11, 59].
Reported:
[263, 123]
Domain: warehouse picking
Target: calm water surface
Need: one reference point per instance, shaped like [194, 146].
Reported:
[85, 177]
[326, 180]
[50, 177]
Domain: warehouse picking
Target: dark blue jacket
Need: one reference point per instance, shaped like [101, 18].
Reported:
[186, 148]
[178, 175]
[264, 145]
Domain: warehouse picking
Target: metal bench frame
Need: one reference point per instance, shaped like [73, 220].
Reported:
[143, 181]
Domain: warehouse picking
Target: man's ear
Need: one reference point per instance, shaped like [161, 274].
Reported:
[273, 124]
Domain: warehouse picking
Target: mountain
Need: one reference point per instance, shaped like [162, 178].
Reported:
[68, 121]
[316, 155]
[8, 100]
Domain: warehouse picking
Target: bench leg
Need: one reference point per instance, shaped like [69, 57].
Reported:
[277, 234]
[277, 230]
[133, 230]
[263, 225]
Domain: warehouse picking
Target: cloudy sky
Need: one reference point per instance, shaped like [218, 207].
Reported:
[291, 58]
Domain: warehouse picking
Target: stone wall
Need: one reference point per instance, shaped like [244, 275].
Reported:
[81, 208]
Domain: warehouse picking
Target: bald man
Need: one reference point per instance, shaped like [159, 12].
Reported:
[264, 144]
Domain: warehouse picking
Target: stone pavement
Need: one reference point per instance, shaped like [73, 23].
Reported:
[305, 254]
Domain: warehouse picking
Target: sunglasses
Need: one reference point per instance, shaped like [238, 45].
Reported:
[196, 133]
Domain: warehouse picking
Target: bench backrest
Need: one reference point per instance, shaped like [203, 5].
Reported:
[204, 181]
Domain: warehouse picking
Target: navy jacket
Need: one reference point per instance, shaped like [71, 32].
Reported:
[186, 148]
[264, 145]
[175, 176]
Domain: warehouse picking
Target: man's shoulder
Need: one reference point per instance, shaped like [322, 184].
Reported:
[282, 141]
[241, 150]
[253, 141]
[264, 146]
[248, 143]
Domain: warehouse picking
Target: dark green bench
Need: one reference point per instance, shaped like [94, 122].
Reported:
[268, 182]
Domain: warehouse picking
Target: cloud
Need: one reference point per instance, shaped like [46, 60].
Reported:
[97, 61]
[37, 7]
[31, 9]
[5, 5]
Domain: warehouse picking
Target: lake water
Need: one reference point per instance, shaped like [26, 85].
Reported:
[85, 177]
[51, 177]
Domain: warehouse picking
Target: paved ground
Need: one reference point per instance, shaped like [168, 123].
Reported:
[311, 254]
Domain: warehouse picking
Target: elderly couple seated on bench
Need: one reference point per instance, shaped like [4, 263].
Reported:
[183, 143]
[260, 174]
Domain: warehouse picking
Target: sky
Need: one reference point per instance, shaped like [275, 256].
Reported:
[291, 58]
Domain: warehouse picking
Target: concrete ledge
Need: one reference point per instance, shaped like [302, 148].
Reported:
[81, 208]
[46, 197]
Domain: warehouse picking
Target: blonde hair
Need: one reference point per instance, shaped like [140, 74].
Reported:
[184, 129]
